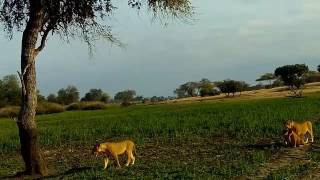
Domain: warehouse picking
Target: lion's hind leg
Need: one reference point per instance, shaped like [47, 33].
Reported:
[129, 158]
[132, 158]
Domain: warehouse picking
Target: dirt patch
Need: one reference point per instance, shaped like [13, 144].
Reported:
[285, 157]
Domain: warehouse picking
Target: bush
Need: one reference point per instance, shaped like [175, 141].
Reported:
[49, 108]
[85, 105]
[9, 111]
[42, 108]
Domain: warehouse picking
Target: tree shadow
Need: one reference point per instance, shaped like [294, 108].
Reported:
[20, 175]
[68, 172]
[267, 145]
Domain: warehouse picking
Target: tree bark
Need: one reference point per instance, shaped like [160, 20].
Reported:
[30, 151]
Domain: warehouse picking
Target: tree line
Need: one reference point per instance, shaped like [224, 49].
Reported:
[293, 76]
[10, 95]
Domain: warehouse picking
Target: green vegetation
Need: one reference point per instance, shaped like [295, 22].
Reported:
[198, 140]
[89, 105]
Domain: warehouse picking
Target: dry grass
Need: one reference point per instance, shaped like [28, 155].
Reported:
[256, 94]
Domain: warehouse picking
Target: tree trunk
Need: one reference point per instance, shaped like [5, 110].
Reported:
[30, 151]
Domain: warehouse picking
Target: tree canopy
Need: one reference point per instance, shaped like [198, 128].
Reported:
[10, 91]
[125, 96]
[266, 77]
[96, 95]
[293, 76]
[85, 19]
[68, 95]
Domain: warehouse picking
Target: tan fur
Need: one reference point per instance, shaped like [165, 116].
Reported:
[113, 149]
[293, 139]
[301, 129]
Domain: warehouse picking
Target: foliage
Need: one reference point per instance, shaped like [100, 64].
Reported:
[96, 95]
[10, 91]
[52, 98]
[318, 68]
[157, 99]
[40, 97]
[231, 86]
[207, 89]
[277, 83]
[204, 87]
[125, 97]
[189, 89]
[266, 77]
[84, 19]
[293, 76]
[68, 95]
[312, 76]
[86, 105]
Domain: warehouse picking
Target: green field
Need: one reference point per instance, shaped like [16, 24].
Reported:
[215, 140]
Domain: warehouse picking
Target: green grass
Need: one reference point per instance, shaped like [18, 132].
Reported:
[185, 141]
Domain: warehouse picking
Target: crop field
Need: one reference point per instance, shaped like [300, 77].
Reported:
[201, 140]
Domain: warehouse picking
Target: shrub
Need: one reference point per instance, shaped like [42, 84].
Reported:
[85, 105]
[49, 108]
[9, 111]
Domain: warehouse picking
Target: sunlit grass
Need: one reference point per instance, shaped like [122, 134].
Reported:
[227, 126]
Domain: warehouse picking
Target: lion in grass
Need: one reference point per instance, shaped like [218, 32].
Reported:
[113, 149]
[293, 139]
[301, 129]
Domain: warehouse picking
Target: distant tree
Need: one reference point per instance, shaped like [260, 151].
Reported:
[10, 91]
[318, 68]
[40, 97]
[125, 97]
[190, 89]
[139, 98]
[293, 77]
[231, 86]
[277, 83]
[157, 99]
[145, 100]
[312, 76]
[256, 87]
[52, 98]
[267, 77]
[68, 95]
[242, 86]
[96, 95]
[180, 93]
[207, 88]
[154, 99]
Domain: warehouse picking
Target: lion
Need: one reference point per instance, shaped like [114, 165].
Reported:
[301, 129]
[293, 139]
[113, 149]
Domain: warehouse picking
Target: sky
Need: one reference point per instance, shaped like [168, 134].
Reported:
[229, 39]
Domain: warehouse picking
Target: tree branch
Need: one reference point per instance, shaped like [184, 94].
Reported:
[43, 40]
[21, 79]
[22, 84]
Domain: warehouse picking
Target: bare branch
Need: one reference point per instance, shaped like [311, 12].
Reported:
[21, 79]
[22, 83]
[43, 40]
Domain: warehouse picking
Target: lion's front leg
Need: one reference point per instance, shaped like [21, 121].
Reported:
[106, 161]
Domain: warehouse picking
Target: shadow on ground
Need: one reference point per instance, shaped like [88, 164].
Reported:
[68, 172]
